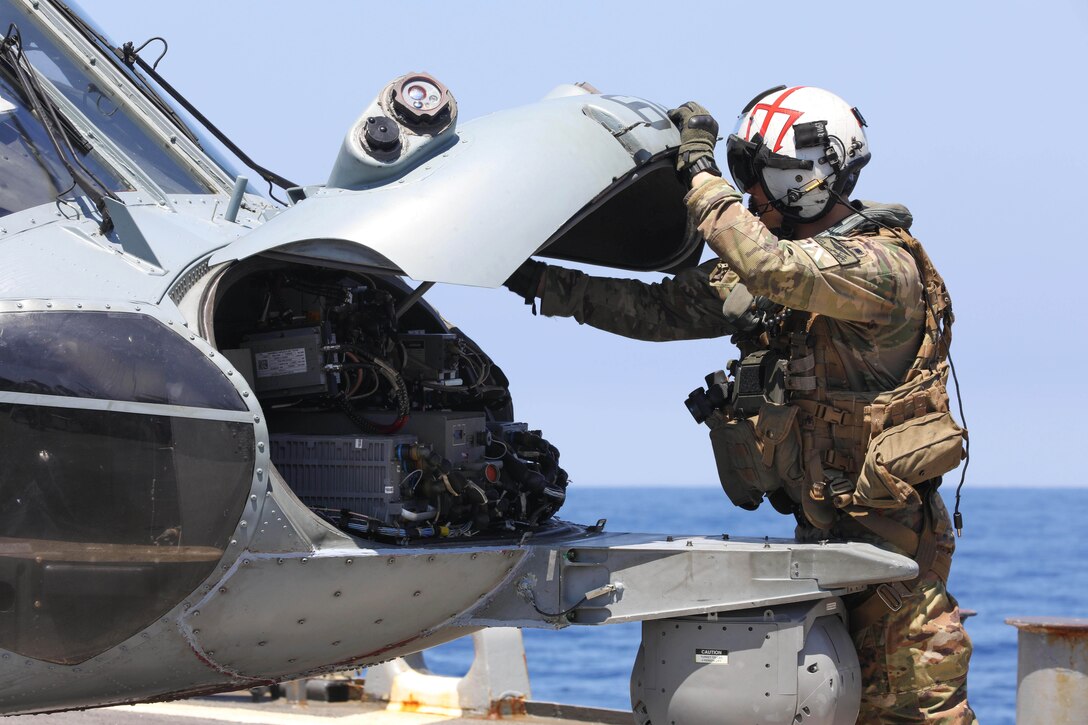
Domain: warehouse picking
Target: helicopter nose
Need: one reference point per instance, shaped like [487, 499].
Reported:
[128, 456]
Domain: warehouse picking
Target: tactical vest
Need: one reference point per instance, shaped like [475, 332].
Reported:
[837, 451]
[869, 450]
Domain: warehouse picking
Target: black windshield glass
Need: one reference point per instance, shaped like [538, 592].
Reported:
[108, 520]
[112, 356]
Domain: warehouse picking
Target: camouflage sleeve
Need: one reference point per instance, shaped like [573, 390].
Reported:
[685, 307]
[860, 279]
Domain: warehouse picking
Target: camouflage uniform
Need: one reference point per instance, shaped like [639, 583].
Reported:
[867, 292]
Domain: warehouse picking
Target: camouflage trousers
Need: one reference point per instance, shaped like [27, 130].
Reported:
[914, 661]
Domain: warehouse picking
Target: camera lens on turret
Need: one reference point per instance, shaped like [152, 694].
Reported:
[420, 100]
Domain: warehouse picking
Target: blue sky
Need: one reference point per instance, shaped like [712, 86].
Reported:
[977, 120]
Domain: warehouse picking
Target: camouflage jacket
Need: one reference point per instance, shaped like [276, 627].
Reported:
[865, 283]
[686, 307]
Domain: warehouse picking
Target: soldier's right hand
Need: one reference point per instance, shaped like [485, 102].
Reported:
[698, 135]
[527, 280]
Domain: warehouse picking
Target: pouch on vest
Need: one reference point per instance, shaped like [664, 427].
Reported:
[924, 392]
[757, 455]
[906, 455]
[780, 441]
[740, 463]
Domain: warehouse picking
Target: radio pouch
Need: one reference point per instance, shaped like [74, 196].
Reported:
[740, 462]
[757, 455]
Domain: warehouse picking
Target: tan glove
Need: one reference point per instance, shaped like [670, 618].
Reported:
[698, 135]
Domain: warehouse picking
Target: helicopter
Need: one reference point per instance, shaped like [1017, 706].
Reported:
[239, 446]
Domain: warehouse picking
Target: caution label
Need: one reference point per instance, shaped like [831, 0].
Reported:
[280, 362]
[712, 656]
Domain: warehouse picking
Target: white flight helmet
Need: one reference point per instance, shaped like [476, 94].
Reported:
[804, 146]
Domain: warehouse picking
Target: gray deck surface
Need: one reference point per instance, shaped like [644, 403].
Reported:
[238, 707]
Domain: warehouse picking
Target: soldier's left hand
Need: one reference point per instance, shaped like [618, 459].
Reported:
[698, 135]
[526, 281]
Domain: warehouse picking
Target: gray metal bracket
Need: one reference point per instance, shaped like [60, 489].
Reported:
[615, 578]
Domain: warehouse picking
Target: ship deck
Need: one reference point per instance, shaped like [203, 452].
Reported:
[239, 707]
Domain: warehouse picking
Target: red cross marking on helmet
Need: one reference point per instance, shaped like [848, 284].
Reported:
[771, 110]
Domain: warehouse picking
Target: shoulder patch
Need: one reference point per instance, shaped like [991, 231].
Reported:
[723, 279]
[828, 252]
[719, 273]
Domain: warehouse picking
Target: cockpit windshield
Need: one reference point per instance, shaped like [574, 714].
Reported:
[32, 171]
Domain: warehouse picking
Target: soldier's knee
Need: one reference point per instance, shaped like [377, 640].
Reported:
[943, 703]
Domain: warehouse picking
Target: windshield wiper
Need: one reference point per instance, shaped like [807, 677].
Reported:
[57, 127]
[130, 56]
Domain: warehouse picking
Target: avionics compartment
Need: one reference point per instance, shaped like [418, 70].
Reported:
[357, 473]
[383, 420]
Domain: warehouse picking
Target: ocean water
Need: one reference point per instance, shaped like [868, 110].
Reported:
[1022, 554]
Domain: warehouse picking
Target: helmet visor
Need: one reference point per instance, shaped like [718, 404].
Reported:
[740, 156]
[747, 159]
